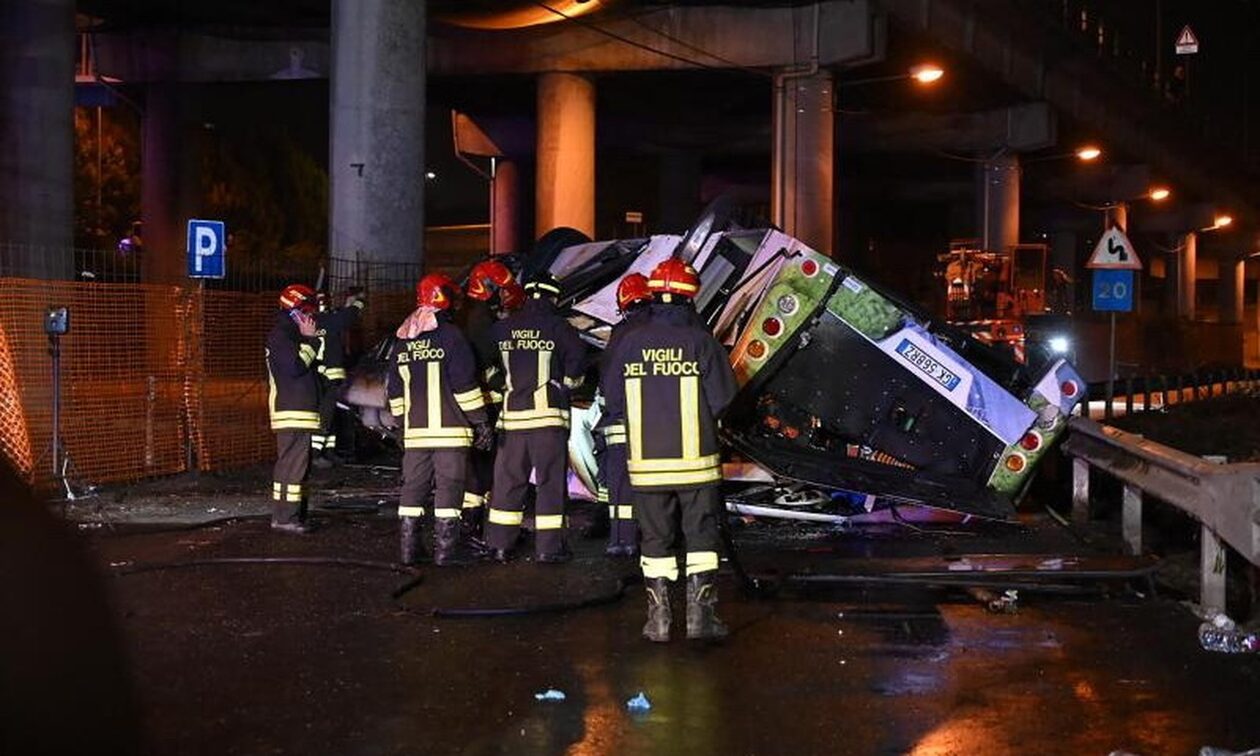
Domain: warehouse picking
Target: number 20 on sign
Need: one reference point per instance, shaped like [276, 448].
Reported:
[1113, 290]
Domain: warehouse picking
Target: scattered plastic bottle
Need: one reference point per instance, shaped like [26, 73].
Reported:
[1219, 633]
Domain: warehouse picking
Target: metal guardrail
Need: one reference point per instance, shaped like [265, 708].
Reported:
[1224, 498]
[1158, 392]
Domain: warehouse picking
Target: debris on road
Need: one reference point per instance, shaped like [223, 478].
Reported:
[1219, 633]
[639, 703]
[1006, 602]
[551, 694]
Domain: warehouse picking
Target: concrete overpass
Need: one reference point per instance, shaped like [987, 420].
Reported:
[378, 54]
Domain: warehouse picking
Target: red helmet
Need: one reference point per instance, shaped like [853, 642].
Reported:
[632, 290]
[486, 277]
[511, 296]
[298, 297]
[673, 276]
[436, 290]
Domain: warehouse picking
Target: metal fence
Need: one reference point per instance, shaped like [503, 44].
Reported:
[1154, 393]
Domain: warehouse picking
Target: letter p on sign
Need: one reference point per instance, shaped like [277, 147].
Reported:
[207, 249]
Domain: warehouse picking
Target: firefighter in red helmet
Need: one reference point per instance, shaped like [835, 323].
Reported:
[488, 291]
[633, 297]
[433, 390]
[669, 381]
[541, 359]
[293, 404]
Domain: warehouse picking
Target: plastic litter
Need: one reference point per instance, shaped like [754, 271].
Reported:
[1219, 633]
[639, 703]
[1210, 751]
[550, 694]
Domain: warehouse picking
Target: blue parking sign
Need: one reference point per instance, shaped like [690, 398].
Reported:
[1113, 290]
[207, 248]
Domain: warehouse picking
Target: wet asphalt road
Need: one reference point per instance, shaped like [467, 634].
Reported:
[320, 660]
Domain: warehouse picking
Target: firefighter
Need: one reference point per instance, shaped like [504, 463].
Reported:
[331, 326]
[541, 358]
[633, 297]
[668, 381]
[433, 389]
[485, 292]
[293, 404]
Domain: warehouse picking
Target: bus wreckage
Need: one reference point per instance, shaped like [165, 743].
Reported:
[850, 399]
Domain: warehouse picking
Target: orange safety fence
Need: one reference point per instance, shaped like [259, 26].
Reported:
[153, 379]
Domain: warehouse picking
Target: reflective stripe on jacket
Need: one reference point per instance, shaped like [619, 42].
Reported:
[293, 395]
[542, 358]
[667, 381]
[330, 334]
[432, 385]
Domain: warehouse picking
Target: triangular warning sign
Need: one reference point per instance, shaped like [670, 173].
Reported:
[1187, 43]
[1114, 251]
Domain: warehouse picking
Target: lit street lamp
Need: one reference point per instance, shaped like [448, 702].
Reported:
[1088, 153]
[1221, 220]
[925, 74]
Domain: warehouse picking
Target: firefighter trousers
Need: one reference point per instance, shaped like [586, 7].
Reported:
[288, 478]
[439, 472]
[325, 439]
[479, 478]
[659, 514]
[546, 452]
[623, 530]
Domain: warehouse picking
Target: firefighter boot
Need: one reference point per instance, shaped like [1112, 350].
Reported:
[658, 614]
[411, 540]
[445, 541]
[702, 620]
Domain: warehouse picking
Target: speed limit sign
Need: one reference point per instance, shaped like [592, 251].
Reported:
[1113, 290]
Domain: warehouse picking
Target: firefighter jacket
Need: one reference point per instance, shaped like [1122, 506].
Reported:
[668, 381]
[542, 358]
[432, 384]
[615, 431]
[477, 318]
[293, 396]
[330, 330]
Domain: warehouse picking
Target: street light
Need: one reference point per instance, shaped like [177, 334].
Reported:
[1220, 221]
[1159, 193]
[1088, 153]
[927, 73]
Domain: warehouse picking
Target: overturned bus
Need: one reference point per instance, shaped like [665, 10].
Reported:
[849, 399]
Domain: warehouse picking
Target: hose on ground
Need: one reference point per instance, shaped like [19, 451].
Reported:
[530, 609]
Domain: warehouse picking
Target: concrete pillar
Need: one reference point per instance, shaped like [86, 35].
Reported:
[376, 135]
[1118, 216]
[505, 207]
[161, 208]
[678, 195]
[802, 193]
[1187, 270]
[37, 43]
[998, 202]
[1233, 277]
[565, 152]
